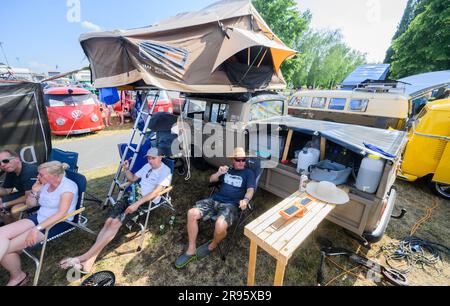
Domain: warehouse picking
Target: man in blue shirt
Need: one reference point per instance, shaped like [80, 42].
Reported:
[236, 191]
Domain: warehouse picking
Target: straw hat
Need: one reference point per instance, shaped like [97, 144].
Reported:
[327, 192]
[238, 153]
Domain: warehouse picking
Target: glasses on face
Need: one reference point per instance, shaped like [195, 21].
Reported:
[240, 160]
[7, 160]
[148, 173]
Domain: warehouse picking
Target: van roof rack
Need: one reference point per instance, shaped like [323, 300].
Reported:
[380, 86]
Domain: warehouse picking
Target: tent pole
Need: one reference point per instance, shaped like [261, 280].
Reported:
[260, 62]
[248, 61]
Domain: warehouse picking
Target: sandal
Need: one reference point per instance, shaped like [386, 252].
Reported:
[24, 281]
[203, 250]
[184, 260]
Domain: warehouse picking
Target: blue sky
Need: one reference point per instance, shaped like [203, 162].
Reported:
[39, 35]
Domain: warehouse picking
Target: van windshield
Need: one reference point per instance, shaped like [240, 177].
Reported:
[69, 100]
[266, 109]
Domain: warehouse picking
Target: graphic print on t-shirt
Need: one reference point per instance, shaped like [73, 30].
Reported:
[233, 180]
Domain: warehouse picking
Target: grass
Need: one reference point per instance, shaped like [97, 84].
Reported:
[155, 264]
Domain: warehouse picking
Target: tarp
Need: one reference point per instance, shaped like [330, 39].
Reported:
[352, 137]
[24, 125]
[219, 49]
[422, 83]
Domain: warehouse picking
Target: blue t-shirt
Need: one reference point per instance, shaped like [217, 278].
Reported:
[234, 186]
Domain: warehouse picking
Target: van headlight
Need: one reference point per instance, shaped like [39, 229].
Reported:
[94, 118]
[60, 121]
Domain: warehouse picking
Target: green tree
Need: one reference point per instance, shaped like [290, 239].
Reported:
[325, 59]
[425, 45]
[408, 16]
[288, 23]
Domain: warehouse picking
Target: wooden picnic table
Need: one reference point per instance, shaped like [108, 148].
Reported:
[279, 237]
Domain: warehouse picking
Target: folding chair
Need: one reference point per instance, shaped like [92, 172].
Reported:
[79, 221]
[166, 200]
[253, 164]
[71, 158]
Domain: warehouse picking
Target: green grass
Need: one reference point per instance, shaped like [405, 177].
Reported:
[155, 264]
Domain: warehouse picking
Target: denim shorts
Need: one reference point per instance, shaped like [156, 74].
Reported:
[210, 208]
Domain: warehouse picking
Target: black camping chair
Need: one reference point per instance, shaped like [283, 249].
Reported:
[79, 221]
[253, 164]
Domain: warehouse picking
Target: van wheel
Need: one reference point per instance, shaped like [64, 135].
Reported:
[442, 190]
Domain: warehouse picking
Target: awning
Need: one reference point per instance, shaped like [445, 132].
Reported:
[352, 137]
[240, 39]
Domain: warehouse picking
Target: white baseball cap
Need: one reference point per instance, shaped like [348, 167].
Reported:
[153, 152]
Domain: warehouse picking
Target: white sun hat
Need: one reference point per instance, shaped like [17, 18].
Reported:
[327, 192]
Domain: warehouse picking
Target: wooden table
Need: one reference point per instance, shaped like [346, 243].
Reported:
[280, 238]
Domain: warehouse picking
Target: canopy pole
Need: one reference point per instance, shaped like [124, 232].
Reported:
[262, 58]
[248, 61]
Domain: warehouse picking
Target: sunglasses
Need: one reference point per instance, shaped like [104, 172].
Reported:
[148, 173]
[240, 160]
[7, 160]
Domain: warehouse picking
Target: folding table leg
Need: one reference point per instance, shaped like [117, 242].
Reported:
[279, 274]
[252, 263]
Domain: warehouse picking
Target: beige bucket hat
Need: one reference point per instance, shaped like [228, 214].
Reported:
[327, 192]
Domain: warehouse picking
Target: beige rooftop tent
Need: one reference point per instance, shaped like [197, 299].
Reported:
[226, 47]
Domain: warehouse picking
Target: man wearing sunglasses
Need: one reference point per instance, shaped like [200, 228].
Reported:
[236, 191]
[19, 179]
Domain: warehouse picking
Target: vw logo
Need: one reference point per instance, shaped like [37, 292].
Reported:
[77, 114]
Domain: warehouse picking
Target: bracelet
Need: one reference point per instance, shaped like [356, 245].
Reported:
[34, 195]
[248, 200]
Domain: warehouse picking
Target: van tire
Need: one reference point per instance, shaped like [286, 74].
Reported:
[442, 190]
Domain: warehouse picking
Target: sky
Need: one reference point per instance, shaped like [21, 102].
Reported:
[43, 35]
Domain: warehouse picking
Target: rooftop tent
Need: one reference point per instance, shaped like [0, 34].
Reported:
[24, 123]
[365, 72]
[226, 47]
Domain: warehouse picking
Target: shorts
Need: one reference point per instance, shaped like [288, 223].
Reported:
[210, 208]
[12, 196]
[118, 212]
[56, 230]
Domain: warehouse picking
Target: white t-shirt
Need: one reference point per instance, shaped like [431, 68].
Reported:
[49, 201]
[152, 178]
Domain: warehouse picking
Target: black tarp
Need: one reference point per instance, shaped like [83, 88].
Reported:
[24, 125]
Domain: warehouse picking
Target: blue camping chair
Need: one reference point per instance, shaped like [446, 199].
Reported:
[166, 200]
[79, 221]
[253, 164]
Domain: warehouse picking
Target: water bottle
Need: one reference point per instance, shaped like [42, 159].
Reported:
[172, 222]
[304, 179]
[162, 229]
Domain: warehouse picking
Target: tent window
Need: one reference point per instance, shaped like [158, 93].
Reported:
[251, 68]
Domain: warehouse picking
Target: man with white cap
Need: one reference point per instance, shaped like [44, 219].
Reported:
[154, 177]
[235, 192]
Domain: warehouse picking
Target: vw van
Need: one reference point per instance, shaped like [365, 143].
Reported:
[427, 154]
[243, 116]
[73, 111]
[362, 107]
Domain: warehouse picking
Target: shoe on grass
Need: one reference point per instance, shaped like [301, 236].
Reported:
[203, 250]
[183, 260]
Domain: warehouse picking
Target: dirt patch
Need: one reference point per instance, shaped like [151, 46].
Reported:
[155, 264]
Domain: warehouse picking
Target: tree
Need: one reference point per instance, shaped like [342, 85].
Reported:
[408, 16]
[424, 46]
[325, 59]
[288, 23]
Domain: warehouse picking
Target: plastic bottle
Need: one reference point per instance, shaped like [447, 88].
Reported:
[306, 158]
[304, 180]
[370, 173]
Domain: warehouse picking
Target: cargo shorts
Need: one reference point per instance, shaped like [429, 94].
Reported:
[210, 208]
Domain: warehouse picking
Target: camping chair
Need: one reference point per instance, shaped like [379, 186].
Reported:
[79, 221]
[71, 158]
[166, 200]
[253, 164]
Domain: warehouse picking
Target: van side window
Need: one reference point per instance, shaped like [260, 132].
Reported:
[219, 113]
[337, 104]
[266, 109]
[300, 101]
[319, 102]
[196, 107]
[359, 105]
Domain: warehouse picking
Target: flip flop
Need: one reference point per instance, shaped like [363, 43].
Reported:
[183, 260]
[203, 250]
[24, 281]
[73, 263]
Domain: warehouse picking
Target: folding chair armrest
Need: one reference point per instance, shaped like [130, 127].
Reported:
[66, 217]
[17, 209]
[167, 190]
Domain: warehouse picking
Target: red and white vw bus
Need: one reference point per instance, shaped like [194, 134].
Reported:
[73, 111]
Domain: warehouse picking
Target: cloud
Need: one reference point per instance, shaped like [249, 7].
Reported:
[91, 26]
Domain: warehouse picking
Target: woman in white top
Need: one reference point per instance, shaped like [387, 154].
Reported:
[57, 196]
